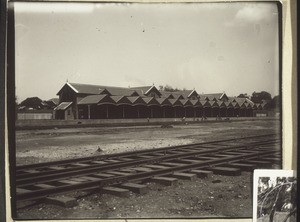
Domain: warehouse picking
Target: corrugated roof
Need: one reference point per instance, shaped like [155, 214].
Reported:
[136, 100]
[117, 91]
[235, 104]
[241, 100]
[163, 101]
[116, 98]
[228, 104]
[54, 100]
[167, 95]
[142, 89]
[145, 90]
[92, 99]
[63, 106]
[175, 102]
[132, 99]
[213, 103]
[196, 102]
[185, 102]
[85, 88]
[150, 101]
[98, 89]
[211, 96]
[221, 104]
[184, 93]
[205, 103]
[242, 104]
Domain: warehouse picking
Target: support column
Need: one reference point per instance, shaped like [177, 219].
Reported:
[164, 112]
[175, 112]
[184, 111]
[194, 112]
[123, 111]
[211, 112]
[151, 111]
[226, 112]
[106, 111]
[89, 112]
[138, 112]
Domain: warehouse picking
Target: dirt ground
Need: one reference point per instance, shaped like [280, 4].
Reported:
[219, 196]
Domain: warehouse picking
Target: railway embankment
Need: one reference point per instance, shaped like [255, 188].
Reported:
[33, 124]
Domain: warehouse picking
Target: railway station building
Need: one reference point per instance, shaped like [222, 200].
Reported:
[84, 101]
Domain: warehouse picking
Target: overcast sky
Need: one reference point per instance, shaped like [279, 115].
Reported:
[212, 47]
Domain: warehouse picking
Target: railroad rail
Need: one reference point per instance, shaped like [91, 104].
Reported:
[125, 171]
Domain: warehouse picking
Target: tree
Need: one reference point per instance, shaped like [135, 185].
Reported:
[259, 97]
[243, 95]
[32, 102]
[275, 103]
[168, 88]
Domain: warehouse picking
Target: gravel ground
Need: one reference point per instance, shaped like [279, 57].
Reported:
[219, 196]
[33, 146]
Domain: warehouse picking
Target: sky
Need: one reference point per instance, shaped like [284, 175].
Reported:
[210, 47]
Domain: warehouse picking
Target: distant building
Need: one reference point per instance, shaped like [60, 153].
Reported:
[35, 108]
[84, 101]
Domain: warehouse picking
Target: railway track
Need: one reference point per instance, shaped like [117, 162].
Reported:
[126, 171]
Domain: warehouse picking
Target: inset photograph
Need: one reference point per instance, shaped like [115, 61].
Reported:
[275, 196]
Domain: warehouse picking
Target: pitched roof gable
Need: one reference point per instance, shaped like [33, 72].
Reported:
[146, 90]
[120, 100]
[196, 102]
[150, 101]
[213, 103]
[167, 95]
[186, 102]
[221, 104]
[136, 100]
[164, 101]
[211, 96]
[63, 106]
[228, 104]
[205, 103]
[235, 105]
[175, 102]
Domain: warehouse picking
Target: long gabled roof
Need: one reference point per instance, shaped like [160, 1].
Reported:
[92, 99]
[145, 90]
[211, 96]
[98, 89]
